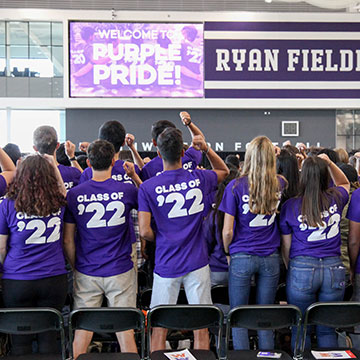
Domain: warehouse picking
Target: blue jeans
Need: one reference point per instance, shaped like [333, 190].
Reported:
[311, 279]
[242, 268]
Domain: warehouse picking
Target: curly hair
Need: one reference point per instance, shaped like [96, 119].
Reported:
[35, 188]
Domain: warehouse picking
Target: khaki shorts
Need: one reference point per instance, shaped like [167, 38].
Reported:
[196, 283]
[119, 290]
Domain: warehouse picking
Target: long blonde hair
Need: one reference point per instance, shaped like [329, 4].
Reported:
[260, 169]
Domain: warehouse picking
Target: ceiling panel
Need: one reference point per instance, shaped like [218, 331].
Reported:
[163, 5]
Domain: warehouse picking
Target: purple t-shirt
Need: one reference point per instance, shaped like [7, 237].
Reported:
[34, 246]
[353, 214]
[70, 176]
[317, 242]
[191, 159]
[117, 173]
[254, 234]
[175, 198]
[3, 185]
[101, 212]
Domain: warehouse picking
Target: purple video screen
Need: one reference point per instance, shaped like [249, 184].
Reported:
[113, 59]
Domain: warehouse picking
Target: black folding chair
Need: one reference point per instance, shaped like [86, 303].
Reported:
[108, 320]
[27, 321]
[332, 314]
[262, 317]
[185, 317]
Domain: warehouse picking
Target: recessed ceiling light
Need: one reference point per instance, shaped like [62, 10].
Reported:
[268, 1]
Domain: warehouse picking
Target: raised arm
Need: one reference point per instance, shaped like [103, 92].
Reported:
[70, 152]
[186, 120]
[130, 172]
[217, 164]
[7, 166]
[130, 142]
[336, 173]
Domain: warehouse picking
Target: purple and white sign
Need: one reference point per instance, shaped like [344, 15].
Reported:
[111, 59]
[294, 60]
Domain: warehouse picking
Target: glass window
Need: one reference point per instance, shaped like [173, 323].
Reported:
[2, 61]
[18, 33]
[29, 120]
[57, 59]
[2, 32]
[39, 33]
[57, 33]
[40, 61]
[19, 60]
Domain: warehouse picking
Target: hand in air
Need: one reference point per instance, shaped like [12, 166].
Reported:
[185, 118]
[129, 140]
[199, 143]
[69, 149]
[83, 146]
[129, 168]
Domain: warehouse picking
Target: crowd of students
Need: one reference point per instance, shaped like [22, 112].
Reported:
[230, 224]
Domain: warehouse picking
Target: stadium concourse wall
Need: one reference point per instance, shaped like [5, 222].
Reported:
[226, 130]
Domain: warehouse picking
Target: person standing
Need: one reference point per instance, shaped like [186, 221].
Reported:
[251, 235]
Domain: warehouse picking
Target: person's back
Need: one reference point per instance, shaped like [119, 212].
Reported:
[311, 240]
[31, 223]
[101, 213]
[175, 199]
[250, 234]
[98, 243]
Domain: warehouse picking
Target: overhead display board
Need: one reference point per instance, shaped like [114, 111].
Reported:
[117, 59]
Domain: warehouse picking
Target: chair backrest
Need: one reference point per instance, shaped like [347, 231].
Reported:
[185, 317]
[107, 320]
[264, 317]
[23, 321]
[331, 314]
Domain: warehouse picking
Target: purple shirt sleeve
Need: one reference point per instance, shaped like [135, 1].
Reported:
[69, 217]
[193, 155]
[353, 212]
[86, 175]
[143, 201]
[285, 228]
[229, 201]
[3, 185]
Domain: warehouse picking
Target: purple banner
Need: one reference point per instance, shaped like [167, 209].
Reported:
[136, 59]
[282, 60]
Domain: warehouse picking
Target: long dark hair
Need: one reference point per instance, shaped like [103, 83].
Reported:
[287, 165]
[314, 190]
[35, 188]
[216, 213]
